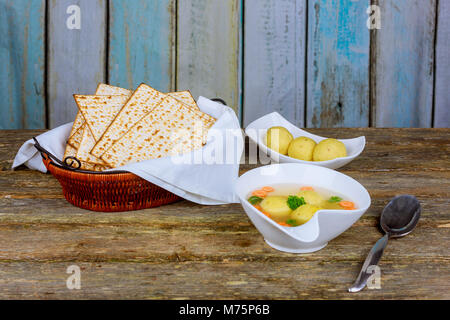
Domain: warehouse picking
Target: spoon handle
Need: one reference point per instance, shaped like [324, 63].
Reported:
[373, 258]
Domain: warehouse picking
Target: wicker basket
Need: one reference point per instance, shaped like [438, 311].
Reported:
[105, 191]
[111, 191]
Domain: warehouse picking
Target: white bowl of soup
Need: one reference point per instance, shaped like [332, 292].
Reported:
[257, 132]
[299, 208]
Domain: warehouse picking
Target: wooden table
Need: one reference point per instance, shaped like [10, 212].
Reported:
[187, 250]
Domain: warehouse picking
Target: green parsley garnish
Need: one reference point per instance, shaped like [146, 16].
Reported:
[254, 200]
[294, 202]
[334, 199]
[292, 222]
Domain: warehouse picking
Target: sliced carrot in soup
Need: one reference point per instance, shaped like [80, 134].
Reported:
[347, 205]
[260, 193]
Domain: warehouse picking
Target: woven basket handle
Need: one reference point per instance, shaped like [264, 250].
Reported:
[220, 101]
[48, 158]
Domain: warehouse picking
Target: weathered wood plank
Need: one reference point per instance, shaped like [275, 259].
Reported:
[22, 52]
[37, 229]
[274, 62]
[141, 43]
[442, 81]
[76, 57]
[220, 241]
[392, 150]
[185, 250]
[184, 238]
[45, 228]
[338, 64]
[403, 66]
[222, 280]
[208, 50]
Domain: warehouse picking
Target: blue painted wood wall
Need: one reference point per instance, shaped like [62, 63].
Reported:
[22, 67]
[314, 61]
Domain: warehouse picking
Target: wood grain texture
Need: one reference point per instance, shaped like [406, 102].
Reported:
[338, 64]
[76, 57]
[442, 80]
[274, 47]
[185, 250]
[208, 55]
[404, 54]
[141, 43]
[238, 280]
[22, 53]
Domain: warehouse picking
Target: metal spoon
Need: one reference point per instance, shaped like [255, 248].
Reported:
[398, 219]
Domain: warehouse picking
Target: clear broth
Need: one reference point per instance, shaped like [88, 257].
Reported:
[293, 189]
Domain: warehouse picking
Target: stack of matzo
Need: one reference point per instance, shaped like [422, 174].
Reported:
[115, 126]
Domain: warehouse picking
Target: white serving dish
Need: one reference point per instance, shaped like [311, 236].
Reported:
[324, 226]
[257, 130]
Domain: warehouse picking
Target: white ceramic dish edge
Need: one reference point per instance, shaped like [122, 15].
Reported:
[256, 131]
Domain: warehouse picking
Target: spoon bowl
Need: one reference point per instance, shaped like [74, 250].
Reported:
[400, 216]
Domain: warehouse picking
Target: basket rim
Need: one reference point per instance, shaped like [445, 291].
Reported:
[85, 174]
[74, 182]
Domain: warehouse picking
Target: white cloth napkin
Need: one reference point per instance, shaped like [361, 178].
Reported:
[206, 176]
